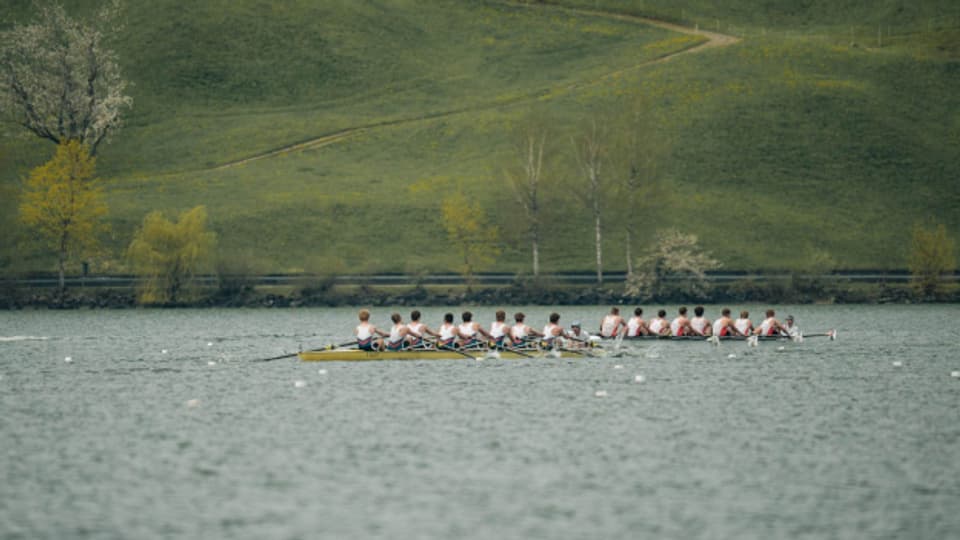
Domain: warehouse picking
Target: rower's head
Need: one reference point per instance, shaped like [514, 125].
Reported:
[662, 313]
[396, 318]
[466, 316]
[789, 320]
[698, 311]
[614, 310]
[771, 313]
[638, 312]
[575, 326]
[501, 315]
[554, 317]
[448, 318]
[415, 315]
[519, 316]
[744, 314]
[725, 312]
[683, 310]
[364, 315]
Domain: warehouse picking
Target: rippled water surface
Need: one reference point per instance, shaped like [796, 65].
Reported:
[162, 425]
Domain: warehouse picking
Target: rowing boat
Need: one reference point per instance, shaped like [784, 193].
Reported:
[832, 334]
[357, 355]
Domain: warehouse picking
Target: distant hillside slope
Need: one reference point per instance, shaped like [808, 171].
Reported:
[807, 141]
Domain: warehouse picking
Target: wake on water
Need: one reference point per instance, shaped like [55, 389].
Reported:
[23, 338]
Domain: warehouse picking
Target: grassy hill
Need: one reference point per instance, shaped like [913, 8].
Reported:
[810, 140]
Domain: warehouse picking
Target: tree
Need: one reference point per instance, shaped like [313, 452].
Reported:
[931, 257]
[168, 255]
[58, 80]
[590, 150]
[468, 230]
[675, 257]
[64, 204]
[527, 179]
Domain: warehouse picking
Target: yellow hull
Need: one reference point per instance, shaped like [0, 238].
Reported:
[356, 355]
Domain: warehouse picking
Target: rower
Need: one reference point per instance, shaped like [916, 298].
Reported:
[636, 326]
[659, 325]
[699, 323]
[744, 324]
[680, 326]
[469, 330]
[400, 335]
[520, 333]
[367, 333]
[420, 329]
[771, 326]
[448, 333]
[611, 323]
[553, 330]
[792, 330]
[499, 329]
[724, 326]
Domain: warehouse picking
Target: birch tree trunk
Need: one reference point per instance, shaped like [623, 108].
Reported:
[526, 184]
[590, 155]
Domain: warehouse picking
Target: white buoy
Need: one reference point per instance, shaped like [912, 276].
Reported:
[68, 359]
[781, 348]
[164, 351]
[209, 344]
[192, 403]
[955, 374]
[731, 355]
[211, 363]
[299, 384]
[639, 379]
[600, 393]
[618, 366]
[897, 363]
[322, 371]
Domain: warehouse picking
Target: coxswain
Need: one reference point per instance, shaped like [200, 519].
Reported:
[400, 335]
[636, 326]
[367, 333]
[469, 330]
[659, 325]
[724, 326]
[700, 324]
[448, 333]
[611, 323]
[792, 330]
[553, 330]
[420, 329]
[771, 326]
[744, 324]
[680, 326]
[520, 333]
[577, 336]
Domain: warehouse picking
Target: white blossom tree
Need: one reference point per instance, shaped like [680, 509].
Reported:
[58, 79]
[674, 256]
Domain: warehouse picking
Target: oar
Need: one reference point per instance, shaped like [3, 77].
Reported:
[289, 355]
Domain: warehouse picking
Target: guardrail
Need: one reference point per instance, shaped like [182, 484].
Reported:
[457, 279]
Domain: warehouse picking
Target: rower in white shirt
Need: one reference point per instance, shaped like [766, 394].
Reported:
[636, 326]
[611, 323]
[744, 324]
[699, 323]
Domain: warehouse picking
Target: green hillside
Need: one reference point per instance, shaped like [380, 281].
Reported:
[811, 139]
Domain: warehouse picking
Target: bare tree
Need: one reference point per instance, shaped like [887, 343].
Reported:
[58, 80]
[590, 151]
[526, 181]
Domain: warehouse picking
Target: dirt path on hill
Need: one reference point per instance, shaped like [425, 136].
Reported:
[714, 40]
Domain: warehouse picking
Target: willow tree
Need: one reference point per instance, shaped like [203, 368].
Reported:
[470, 233]
[167, 255]
[931, 257]
[63, 204]
[59, 80]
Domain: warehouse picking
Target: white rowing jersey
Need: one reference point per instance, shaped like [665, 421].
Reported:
[364, 332]
[657, 325]
[743, 325]
[767, 327]
[633, 326]
[396, 333]
[675, 328]
[699, 324]
[467, 330]
[718, 326]
[416, 328]
[519, 331]
[498, 329]
[610, 325]
[548, 331]
[447, 331]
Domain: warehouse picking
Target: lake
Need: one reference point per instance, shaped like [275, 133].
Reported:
[161, 424]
